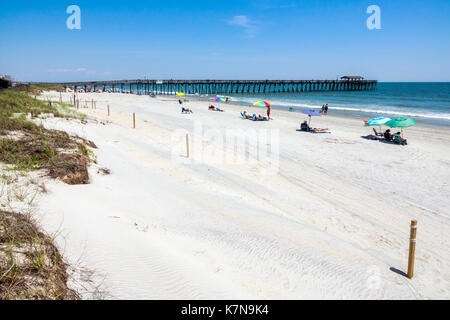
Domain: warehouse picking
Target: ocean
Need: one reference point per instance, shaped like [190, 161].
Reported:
[427, 103]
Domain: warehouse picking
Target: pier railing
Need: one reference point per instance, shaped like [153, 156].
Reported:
[224, 86]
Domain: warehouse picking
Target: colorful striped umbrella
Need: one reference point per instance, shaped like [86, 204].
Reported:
[219, 99]
[262, 104]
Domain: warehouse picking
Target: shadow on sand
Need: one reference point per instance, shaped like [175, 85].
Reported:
[400, 272]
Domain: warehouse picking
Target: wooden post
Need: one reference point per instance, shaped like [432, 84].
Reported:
[134, 120]
[412, 248]
[92, 103]
[187, 145]
[109, 113]
[60, 97]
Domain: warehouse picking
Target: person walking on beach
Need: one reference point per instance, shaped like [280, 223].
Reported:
[323, 109]
[268, 113]
[326, 108]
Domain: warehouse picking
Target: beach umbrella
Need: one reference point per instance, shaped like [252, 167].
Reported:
[180, 94]
[311, 113]
[262, 104]
[219, 99]
[401, 123]
[378, 121]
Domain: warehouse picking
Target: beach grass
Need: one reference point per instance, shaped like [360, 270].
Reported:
[28, 146]
[31, 266]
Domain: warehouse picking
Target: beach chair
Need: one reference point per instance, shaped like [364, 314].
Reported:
[400, 140]
[378, 134]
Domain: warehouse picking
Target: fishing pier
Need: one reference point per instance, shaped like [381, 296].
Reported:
[212, 87]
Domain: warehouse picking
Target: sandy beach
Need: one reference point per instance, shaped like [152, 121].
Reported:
[323, 216]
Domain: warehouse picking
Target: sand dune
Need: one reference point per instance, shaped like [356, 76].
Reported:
[326, 218]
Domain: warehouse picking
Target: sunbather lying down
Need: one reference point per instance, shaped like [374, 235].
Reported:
[254, 117]
[305, 127]
[212, 108]
[320, 130]
[245, 115]
[186, 110]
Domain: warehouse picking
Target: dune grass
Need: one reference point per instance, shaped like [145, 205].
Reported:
[31, 266]
[28, 146]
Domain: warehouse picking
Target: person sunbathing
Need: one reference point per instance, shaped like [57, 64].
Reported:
[304, 126]
[319, 130]
[245, 115]
[212, 108]
[388, 136]
[398, 139]
[186, 110]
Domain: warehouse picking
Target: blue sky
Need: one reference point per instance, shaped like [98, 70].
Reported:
[308, 39]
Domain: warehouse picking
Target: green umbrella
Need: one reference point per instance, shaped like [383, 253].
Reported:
[401, 123]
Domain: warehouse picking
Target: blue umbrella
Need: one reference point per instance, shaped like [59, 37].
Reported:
[378, 121]
[311, 113]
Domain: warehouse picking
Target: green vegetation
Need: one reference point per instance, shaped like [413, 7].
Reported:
[28, 146]
[30, 265]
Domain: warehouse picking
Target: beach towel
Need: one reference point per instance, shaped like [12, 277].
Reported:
[319, 130]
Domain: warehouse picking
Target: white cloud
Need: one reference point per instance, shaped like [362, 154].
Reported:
[68, 70]
[244, 22]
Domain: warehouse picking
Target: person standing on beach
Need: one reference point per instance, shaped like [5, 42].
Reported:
[326, 108]
[323, 109]
[268, 113]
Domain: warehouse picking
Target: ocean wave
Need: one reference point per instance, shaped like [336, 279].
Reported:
[377, 109]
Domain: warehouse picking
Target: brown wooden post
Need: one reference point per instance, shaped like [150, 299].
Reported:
[412, 248]
[109, 113]
[134, 120]
[187, 145]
